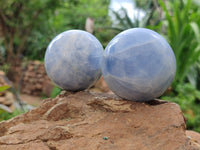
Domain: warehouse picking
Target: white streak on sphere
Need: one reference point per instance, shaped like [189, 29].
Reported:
[72, 60]
[138, 64]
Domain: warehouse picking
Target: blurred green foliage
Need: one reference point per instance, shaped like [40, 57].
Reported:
[27, 27]
[73, 14]
[183, 33]
[55, 91]
[5, 112]
[188, 97]
[5, 67]
[6, 115]
[20, 21]
[125, 22]
[4, 87]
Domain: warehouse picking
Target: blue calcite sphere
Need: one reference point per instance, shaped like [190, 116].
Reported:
[72, 60]
[138, 64]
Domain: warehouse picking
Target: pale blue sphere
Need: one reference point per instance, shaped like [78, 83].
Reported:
[72, 60]
[138, 64]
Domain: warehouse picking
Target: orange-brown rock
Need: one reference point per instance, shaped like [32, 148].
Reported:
[91, 121]
[194, 136]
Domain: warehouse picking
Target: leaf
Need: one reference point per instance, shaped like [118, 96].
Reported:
[195, 29]
[4, 87]
[5, 108]
[184, 36]
[56, 90]
[192, 76]
[128, 19]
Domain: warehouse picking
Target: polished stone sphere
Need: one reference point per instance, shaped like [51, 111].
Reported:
[138, 64]
[72, 60]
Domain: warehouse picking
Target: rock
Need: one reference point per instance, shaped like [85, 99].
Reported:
[39, 75]
[9, 98]
[12, 107]
[194, 136]
[2, 73]
[96, 121]
[4, 80]
[38, 86]
[33, 79]
[30, 68]
[8, 102]
[36, 145]
[101, 86]
[37, 62]
[6, 97]
[2, 100]
[47, 87]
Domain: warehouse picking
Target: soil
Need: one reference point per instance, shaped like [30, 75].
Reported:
[31, 99]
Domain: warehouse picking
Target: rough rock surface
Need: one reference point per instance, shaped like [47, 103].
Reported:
[91, 121]
[194, 136]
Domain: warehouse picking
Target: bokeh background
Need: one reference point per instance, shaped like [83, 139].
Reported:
[27, 27]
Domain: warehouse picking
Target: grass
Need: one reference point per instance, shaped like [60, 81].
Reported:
[5, 115]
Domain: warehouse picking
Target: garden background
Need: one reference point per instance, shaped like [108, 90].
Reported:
[27, 27]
